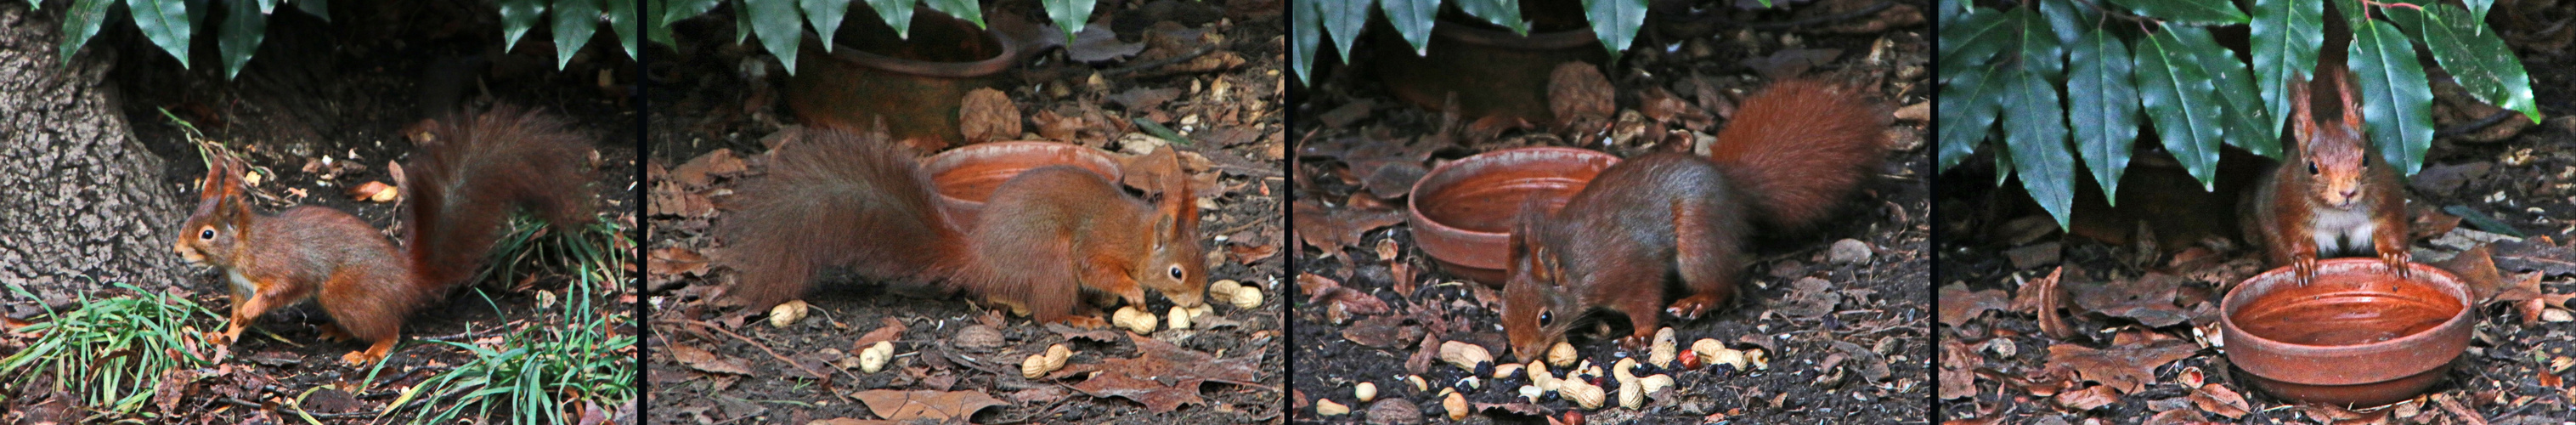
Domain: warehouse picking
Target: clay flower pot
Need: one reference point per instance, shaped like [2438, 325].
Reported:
[2356, 336]
[1493, 71]
[1462, 211]
[966, 176]
[915, 85]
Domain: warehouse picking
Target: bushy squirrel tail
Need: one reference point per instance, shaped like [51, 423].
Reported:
[472, 170]
[834, 199]
[1800, 148]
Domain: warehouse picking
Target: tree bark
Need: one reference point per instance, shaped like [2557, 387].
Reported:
[80, 203]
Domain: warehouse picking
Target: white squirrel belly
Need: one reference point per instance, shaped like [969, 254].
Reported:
[2341, 231]
[242, 286]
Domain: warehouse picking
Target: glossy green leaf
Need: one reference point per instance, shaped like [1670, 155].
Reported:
[741, 22]
[166, 23]
[81, 23]
[779, 27]
[2003, 167]
[2179, 98]
[268, 6]
[1615, 22]
[2193, 12]
[1069, 15]
[2250, 125]
[2102, 106]
[2286, 36]
[317, 8]
[517, 16]
[1949, 11]
[1343, 20]
[826, 15]
[1975, 40]
[2474, 56]
[1968, 107]
[2478, 9]
[2036, 46]
[242, 30]
[1307, 29]
[575, 21]
[623, 18]
[676, 10]
[1502, 13]
[2035, 130]
[2396, 101]
[2069, 20]
[1412, 19]
[896, 13]
[960, 9]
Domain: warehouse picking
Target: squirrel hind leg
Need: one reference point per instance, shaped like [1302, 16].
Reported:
[372, 354]
[1708, 255]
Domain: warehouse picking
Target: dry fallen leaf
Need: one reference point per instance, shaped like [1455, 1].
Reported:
[1959, 305]
[1143, 378]
[2125, 368]
[987, 115]
[2147, 299]
[704, 361]
[2218, 399]
[1336, 229]
[698, 171]
[673, 263]
[943, 406]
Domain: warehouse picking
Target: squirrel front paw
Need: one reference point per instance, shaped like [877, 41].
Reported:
[2304, 270]
[359, 358]
[1691, 307]
[2398, 263]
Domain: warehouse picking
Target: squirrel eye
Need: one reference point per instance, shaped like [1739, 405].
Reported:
[207, 234]
[2312, 167]
[1546, 318]
[1176, 271]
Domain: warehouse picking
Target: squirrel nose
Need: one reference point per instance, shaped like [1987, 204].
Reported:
[2350, 193]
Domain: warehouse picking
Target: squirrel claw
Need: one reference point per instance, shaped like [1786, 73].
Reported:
[2397, 262]
[359, 358]
[2304, 270]
[1690, 308]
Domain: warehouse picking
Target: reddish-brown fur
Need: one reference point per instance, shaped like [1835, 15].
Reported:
[839, 200]
[2329, 172]
[460, 189]
[1800, 147]
[1789, 158]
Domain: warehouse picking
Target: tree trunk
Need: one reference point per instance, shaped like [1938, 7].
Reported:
[80, 206]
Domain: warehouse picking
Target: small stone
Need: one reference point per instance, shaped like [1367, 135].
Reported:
[1850, 251]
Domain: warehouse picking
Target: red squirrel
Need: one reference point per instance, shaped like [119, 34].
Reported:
[1786, 161]
[1045, 237]
[2331, 196]
[459, 188]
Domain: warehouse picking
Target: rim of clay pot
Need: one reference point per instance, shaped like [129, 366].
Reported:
[1472, 33]
[1002, 60]
[1474, 249]
[2367, 363]
[1096, 161]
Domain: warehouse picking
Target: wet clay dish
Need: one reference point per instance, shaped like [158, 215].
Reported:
[967, 175]
[2356, 336]
[1462, 212]
[1493, 71]
[914, 84]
